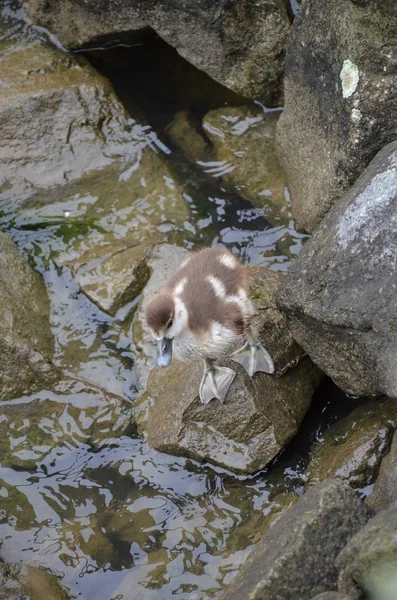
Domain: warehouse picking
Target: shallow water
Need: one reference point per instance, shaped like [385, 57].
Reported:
[115, 519]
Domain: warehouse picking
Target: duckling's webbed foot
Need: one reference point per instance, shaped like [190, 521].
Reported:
[215, 383]
[253, 356]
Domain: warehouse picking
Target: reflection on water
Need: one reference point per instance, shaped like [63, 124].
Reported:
[80, 493]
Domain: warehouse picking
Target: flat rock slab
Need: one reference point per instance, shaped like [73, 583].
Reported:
[26, 340]
[260, 416]
[353, 448]
[204, 33]
[339, 296]
[370, 558]
[385, 489]
[58, 118]
[340, 99]
[296, 558]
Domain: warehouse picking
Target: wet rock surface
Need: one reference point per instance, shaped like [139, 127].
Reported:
[370, 556]
[340, 99]
[259, 416]
[339, 295]
[292, 561]
[353, 448]
[24, 582]
[26, 341]
[58, 119]
[385, 489]
[202, 32]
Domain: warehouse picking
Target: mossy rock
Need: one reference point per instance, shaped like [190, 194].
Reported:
[352, 449]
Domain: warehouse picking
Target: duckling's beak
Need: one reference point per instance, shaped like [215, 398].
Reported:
[164, 352]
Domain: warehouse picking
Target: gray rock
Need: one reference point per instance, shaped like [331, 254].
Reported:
[352, 449]
[259, 417]
[240, 44]
[58, 119]
[370, 558]
[385, 489]
[340, 99]
[332, 596]
[296, 558]
[339, 296]
[26, 341]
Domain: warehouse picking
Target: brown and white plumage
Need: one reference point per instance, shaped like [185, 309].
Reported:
[203, 311]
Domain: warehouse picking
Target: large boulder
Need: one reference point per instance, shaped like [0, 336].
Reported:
[26, 341]
[240, 44]
[370, 557]
[340, 99]
[58, 119]
[296, 558]
[339, 296]
[385, 488]
[259, 417]
[353, 448]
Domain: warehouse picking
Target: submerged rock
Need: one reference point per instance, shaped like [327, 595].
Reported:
[353, 448]
[296, 558]
[259, 417]
[108, 222]
[370, 557]
[385, 489]
[339, 296]
[33, 428]
[58, 119]
[26, 341]
[25, 582]
[340, 99]
[239, 45]
[246, 161]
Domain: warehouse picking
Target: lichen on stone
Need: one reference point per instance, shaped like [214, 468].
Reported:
[349, 77]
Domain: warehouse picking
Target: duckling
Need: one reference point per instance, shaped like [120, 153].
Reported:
[202, 313]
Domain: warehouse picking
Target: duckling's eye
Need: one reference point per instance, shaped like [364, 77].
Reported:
[170, 323]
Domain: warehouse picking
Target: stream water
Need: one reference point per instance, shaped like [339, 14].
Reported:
[121, 521]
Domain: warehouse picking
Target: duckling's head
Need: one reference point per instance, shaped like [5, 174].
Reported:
[166, 319]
